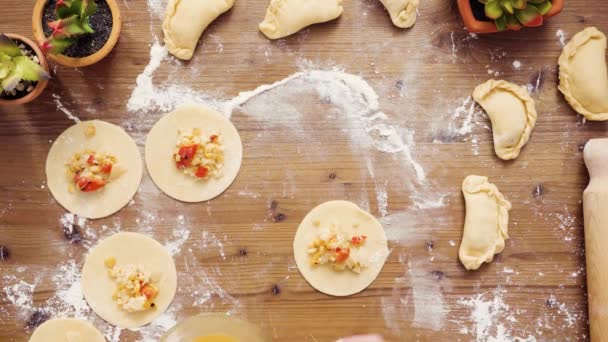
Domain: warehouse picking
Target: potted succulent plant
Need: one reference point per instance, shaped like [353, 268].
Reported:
[76, 33]
[24, 71]
[489, 16]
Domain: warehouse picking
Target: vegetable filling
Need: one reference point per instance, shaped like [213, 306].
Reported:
[134, 289]
[198, 157]
[338, 250]
[90, 171]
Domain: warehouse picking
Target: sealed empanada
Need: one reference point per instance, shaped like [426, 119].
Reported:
[402, 12]
[185, 21]
[486, 223]
[512, 112]
[286, 17]
[583, 77]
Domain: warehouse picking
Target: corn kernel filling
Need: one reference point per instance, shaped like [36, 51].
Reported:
[134, 289]
[198, 157]
[89, 171]
[337, 250]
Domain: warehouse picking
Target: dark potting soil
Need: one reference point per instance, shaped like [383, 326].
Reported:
[478, 10]
[24, 87]
[87, 44]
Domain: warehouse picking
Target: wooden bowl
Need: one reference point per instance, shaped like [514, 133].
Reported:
[475, 26]
[41, 85]
[82, 61]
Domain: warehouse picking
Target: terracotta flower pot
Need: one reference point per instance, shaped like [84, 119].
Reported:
[81, 61]
[476, 26]
[41, 85]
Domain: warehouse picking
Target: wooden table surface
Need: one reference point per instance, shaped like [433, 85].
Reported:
[237, 257]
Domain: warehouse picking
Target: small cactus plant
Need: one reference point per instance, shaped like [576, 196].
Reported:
[514, 14]
[17, 68]
[72, 22]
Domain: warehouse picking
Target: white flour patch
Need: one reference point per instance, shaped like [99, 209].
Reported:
[423, 202]
[561, 37]
[157, 8]
[247, 193]
[20, 294]
[382, 199]
[210, 241]
[181, 233]
[429, 306]
[61, 107]
[491, 318]
[516, 65]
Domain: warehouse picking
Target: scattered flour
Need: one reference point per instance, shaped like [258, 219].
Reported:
[61, 107]
[356, 99]
[382, 199]
[561, 37]
[181, 233]
[429, 307]
[491, 318]
[516, 65]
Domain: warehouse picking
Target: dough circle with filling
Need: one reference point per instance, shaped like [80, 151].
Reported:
[66, 329]
[161, 143]
[128, 248]
[211, 327]
[348, 218]
[108, 138]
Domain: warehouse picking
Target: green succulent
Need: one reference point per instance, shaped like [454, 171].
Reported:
[516, 13]
[16, 67]
[72, 21]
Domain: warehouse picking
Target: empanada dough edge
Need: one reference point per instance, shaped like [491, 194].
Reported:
[475, 239]
[212, 10]
[566, 83]
[279, 22]
[403, 12]
[484, 90]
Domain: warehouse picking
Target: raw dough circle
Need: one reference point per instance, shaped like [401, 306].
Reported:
[354, 221]
[114, 196]
[160, 146]
[211, 327]
[66, 329]
[128, 248]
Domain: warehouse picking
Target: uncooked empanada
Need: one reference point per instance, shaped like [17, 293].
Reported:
[583, 77]
[286, 17]
[512, 112]
[486, 223]
[185, 21]
[403, 12]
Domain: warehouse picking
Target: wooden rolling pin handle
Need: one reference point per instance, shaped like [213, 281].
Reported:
[595, 208]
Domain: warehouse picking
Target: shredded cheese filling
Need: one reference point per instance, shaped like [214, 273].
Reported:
[198, 157]
[338, 250]
[134, 289]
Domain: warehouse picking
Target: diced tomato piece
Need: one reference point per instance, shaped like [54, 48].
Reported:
[201, 172]
[88, 185]
[342, 254]
[357, 240]
[91, 159]
[214, 138]
[186, 153]
[148, 291]
[106, 168]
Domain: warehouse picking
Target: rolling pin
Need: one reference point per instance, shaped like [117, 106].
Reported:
[595, 208]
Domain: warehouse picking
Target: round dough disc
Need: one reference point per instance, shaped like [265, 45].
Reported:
[112, 197]
[160, 146]
[352, 220]
[128, 248]
[66, 329]
[214, 328]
